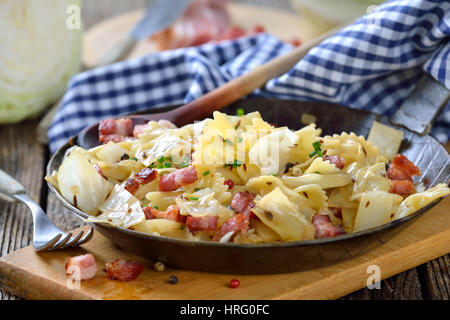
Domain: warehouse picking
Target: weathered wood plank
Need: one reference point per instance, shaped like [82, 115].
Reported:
[437, 278]
[22, 157]
[405, 285]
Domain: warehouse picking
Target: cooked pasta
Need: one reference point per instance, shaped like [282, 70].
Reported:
[239, 179]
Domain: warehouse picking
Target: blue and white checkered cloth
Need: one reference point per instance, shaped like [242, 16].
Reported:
[372, 64]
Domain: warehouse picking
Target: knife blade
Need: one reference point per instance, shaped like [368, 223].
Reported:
[159, 15]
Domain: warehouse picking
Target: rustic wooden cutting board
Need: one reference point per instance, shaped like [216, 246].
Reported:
[285, 25]
[42, 276]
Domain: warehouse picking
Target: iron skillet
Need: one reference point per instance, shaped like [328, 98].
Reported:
[423, 150]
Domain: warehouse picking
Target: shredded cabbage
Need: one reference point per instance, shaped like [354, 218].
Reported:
[38, 55]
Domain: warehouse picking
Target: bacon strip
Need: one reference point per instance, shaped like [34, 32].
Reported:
[237, 223]
[402, 187]
[324, 228]
[401, 171]
[338, 161]
[206, 223]
[115, 129]
[172, 213]
[144, 176]
[81, 267]
[178, 178]
[401, 168]
[123, 270]
[243, 202]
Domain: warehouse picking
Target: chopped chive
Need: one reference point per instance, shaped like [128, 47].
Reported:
[159, 166]
[156, 207]
[135, 159]
[181, 227]
[312, 154]
[161, 160]
[317, 172]
[205, 173]
[193, 198]
[184, 164]
[167, 165]
[317, 149]
[196, 189]
[239, 139]
[240, 112]
[236, 163]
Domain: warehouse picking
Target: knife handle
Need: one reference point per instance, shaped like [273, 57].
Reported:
[118, 52]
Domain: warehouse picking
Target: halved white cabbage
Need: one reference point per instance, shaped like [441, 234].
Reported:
[38, 55]
[79, 181]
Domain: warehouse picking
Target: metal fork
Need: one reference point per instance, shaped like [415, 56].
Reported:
[46, 236]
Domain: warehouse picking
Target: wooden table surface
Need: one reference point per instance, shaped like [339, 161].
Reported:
[24, 158]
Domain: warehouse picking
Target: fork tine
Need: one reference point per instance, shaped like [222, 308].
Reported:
[73, 240]
[49, 244]
[62, 242]
[87, 237]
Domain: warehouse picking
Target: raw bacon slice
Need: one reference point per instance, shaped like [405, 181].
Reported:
[123, 270]
[324, 228]
[172, 213]
[115, 129]
[338, 161]
[237, 223]
[402, 187]
[206, 223]
[178, 178]
[81, 267]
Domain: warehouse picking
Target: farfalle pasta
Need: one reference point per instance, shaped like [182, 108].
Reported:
[238, 179]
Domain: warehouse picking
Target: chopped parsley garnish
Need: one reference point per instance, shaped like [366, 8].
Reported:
[240, 112]
[193, 198]
[317, 172]
[159, 166]
[167, 165]
[135, 159]
[228, 141]
[196, 189]
[239, 139]
[236, 163]
[317, 150]
[181, 227]
[161, 160]
[156, 207]
[205, 173]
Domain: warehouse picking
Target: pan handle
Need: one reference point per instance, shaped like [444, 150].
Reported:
[423, 106]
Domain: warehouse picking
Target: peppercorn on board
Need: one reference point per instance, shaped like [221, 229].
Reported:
[42, 275]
